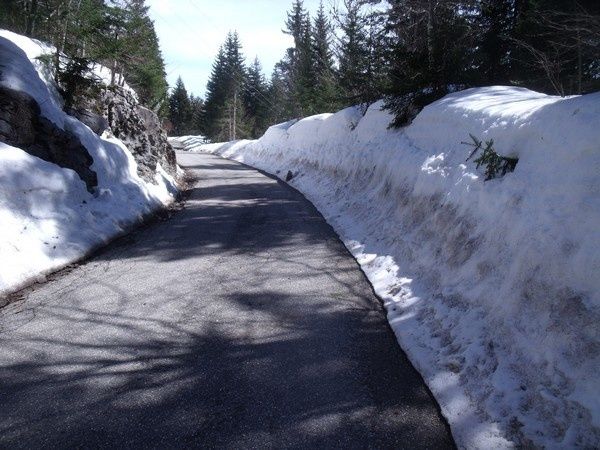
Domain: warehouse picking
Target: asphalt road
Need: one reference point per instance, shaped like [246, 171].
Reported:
[240, 322]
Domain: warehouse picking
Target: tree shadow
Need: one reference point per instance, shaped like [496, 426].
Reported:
[309, 378]
[239, 212]
[255, 330]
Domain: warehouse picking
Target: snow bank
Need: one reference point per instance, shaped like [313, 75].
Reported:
[492, 288]
[48, 218]
[188, 141]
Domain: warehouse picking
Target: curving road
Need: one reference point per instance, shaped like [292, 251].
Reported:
[240, 322]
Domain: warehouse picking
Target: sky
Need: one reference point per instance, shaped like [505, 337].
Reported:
[191, 31]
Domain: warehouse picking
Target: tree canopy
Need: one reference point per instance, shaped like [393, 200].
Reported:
[409, 53]
[118, 34]
[406, 52]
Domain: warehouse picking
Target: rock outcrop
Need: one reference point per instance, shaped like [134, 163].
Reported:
[95, 122]
[140, 130]
[115, 109]
[23, 126]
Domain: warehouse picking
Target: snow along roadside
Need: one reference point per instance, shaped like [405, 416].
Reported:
[48, 218]
[491, 288]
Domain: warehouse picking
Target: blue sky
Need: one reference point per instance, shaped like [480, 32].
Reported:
[191, 31]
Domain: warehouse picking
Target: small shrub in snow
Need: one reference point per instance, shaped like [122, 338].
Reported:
[496, 166]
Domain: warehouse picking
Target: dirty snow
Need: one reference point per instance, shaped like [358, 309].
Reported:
[492, 287]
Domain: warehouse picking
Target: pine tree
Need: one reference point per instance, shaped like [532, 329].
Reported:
[195, 125]
[429, 52]
[21, 16]
[278, 94]
[353, 52]
[411, 54]
[236, 74]
[144, 67]
[325, 93]
[114, 44]
[180, 109]
[256, 102]
[215, 94]
[300, 60]
[494, 25]
[117, 34]
[225, 117]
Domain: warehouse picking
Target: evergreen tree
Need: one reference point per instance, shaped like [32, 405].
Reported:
[282, 79]
[353, 52]
[225, 117]
[195, 125]
[411, 53]
[278, 94]
[113, 43]
[256, 103]
[144, 67]
[300, 60]
[555, 45]
[216, 94]
[21, 16]
[236, 79]
[429, 52]
[325, 91]
[116, 33]
[180, 109]
[494, 25]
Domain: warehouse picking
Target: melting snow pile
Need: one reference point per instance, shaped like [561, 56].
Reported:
[47, 217]
[492, 288]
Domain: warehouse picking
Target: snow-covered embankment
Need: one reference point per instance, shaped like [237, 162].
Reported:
[47, 216]
[492, 287]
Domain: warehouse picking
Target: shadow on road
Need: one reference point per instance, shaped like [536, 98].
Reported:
[212, 390]
[244, 217]
[255, 330]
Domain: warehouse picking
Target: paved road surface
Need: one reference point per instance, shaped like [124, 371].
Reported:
[241, 322]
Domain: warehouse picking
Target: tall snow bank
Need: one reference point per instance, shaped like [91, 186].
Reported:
[492, 288]
[47, 217]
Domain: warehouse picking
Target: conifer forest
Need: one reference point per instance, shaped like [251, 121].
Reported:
[347, 52]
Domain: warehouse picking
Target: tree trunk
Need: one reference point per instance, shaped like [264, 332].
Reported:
[234, 112]
[430, 39]
[113, 71]
[31, 17]
[66, 28]
[579, 63]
